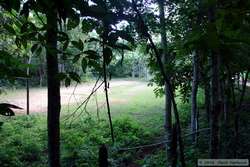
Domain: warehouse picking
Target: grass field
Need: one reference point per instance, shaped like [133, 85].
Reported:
[138, 119]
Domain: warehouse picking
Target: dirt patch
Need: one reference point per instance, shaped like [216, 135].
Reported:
[70, 95]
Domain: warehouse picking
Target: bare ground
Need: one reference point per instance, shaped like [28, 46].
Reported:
[38, 96]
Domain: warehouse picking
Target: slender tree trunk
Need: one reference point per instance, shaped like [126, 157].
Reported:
[167, 80]
[97, 106]
[41, 72]
[28, 96]
[105, 35]
[107, 100]
[244, 84]
[28, 88]
[238, 81]
[226, 100]
[194, 113]
[53, 82]
[207, 100]
[174, 154]
[168, 117]
[237, 110]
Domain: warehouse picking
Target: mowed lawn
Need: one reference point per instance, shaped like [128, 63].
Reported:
[133, 100]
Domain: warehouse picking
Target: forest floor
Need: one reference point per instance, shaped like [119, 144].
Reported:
[69, 95]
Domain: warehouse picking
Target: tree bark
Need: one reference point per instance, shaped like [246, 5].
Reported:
[105, 37]
[207, 100]
[53, 82]
[28, 88]
[216, 105]
[214, 122]
[194, 113]
[168, 116]
[244, 84]
[28, 96]
[107, 99]
[237, 114]
[226, 99]
[174, 154]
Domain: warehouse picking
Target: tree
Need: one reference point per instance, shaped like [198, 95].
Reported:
[165, 59]
[53, 81]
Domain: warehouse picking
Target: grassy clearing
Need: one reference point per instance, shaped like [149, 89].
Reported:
[137, 119]
[137, 116]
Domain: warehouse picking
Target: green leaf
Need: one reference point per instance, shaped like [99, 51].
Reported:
[74, 20]
[34, 48]
[39, 51]
[61, 76]
[126, 36]
[121, 46]
[84, 65]
[95, 65]
[10, 29]
[91, 54]
[76, 58]
[74, 76]
[11, 4]
[24, 43]
[93, 40]
[78, 44]
[67, 82]
[41, 38]
[65, 45]
[18, 42]
[62, 36]
[88, 25]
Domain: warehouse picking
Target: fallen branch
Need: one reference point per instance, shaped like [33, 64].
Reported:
[160, 143]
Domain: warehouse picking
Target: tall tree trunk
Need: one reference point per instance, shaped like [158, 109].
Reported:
[237, 114]
[215, 110]
[53, 82]
[194, 113]
[226, 100]
[195, 84]
[216, 105]
[168, 117]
